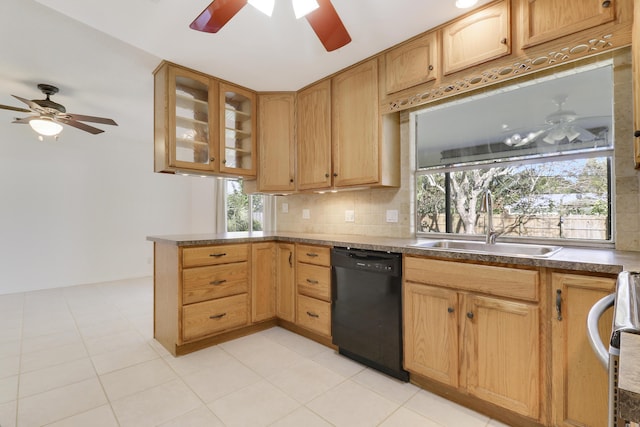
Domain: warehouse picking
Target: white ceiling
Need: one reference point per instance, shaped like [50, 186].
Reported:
[253, 50]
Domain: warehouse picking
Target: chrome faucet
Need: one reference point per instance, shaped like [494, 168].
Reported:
[487, 207]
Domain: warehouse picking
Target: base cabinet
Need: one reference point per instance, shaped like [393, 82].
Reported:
[483, 345]
[313, 284]
[263, 281]
[579, 380]
[286, 282]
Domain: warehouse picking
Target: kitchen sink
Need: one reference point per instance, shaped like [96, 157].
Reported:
[512, 249]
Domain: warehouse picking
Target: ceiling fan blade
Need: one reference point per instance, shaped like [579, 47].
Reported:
[216, 15]
[9, 107]
[31, 104]
[328, 26]
[82, 118]
[79, 125]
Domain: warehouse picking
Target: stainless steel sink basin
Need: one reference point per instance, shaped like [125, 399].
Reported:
[512, 249]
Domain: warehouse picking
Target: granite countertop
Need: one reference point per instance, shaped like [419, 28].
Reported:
[582, 259]
[629, 378]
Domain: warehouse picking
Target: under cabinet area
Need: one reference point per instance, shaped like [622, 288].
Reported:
[313, 280]
[468, 325]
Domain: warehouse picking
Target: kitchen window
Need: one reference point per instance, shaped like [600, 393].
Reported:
[245, 212]
[543, 148]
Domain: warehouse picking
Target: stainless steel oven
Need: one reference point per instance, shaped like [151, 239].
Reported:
[626, 304]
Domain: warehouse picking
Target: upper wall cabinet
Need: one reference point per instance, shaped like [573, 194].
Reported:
[545, 20]
[412, 63]
[193, 114]
[482, 36]
[276, 124]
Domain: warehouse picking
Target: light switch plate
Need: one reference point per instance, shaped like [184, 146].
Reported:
[392, 215]
[285, 208]
[306, 214]
[349, 216]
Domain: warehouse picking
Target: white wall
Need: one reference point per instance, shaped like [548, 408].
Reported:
[78, 210]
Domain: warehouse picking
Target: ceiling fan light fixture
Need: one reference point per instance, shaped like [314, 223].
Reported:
[264, 6]
[465, 4]
[45, 126]
[304, 7]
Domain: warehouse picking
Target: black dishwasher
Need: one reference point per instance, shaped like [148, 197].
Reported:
[366, 308]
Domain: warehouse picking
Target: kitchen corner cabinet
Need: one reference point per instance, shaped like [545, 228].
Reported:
[263, 281]
[276, 143]
[579, 380]
[286, 282]
[475, 328]
[545, 20]
[365, 149]
[313, 129]
[476, 38]
[412, 63]
[194, 131]
[313, 283]
[199, 292]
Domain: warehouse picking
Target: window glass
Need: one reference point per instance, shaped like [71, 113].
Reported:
[549, 178]
[244, 212]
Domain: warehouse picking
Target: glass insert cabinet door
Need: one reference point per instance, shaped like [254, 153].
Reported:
[238, 140]
[193, 146]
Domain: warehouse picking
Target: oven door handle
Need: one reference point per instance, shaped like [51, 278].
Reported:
[594, 316]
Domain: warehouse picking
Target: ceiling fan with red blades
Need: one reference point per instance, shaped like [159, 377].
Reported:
[324, 20]
[50, 116]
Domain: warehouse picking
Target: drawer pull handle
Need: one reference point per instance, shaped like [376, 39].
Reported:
[217, 255]
[217, 316]
[217, 282]
[559, 303]
[313, 282]
[311, 254]
[310, 314]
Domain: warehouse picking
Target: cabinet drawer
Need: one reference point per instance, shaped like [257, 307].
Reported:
[314, 314]
[487, 279]
[314, 281]
[318, 255]
[206, 318]
[210, 255]
[215, 281]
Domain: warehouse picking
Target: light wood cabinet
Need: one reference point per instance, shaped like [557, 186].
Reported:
[457, 333]
[199, 292]
[202, 125]
[545, 20]
[263, 281]
[313, 282]
[313, 129]
[476, 38]
[579, 380]
[276, 142]
[412, 63]
[286, 282]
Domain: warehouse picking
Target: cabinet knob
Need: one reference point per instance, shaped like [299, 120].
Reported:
[470, 315]
[326, 175]
[503, 41]
[291, 180]
[430, 67]
[213, 159]
[636, 134]
[450, 310]
[335, 174]
[606, 3]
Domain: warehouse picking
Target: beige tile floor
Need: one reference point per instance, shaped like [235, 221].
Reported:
[85, 356]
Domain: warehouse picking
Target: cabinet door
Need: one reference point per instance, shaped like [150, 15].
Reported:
[412, 63]
[501, 352]
[355, 122]
[191, 120]
[314, 137]
[431, 332]
[545, 20]
[263, 281]
[276, 142]
[286, 285]
[635, 51]
[237, 130]
[579, 380]
[477, 38]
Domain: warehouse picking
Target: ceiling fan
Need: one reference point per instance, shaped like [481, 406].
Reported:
[320, 14]
[560, 126]
[50, 116]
